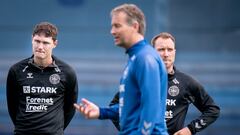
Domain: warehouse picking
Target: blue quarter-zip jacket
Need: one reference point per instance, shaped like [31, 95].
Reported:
[143, 91]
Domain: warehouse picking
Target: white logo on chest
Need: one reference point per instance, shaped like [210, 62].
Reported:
[173, 91]
[54, 79]
[29, 75]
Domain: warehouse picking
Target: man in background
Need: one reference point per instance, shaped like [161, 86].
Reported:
[41, 89]
[182, 91]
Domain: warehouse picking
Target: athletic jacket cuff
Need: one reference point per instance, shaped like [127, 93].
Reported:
[191, 128]
[102, 113]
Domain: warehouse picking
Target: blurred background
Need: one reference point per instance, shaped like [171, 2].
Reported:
[207, 36]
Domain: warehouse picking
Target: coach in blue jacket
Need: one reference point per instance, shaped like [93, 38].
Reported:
[143, 85]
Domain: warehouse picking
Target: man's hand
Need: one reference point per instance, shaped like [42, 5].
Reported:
[184, 131]
[88, 109]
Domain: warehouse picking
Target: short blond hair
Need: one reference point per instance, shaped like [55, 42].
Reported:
[133, 14]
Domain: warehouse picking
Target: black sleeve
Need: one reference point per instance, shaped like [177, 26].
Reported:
[205, 104]
[114, 101]
[12, 95]
[70, 97]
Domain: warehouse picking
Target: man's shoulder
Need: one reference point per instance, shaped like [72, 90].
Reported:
[188, 79]
[63, 65]
[184, 76]
[148, 52]
[60, 62]
[19, 64]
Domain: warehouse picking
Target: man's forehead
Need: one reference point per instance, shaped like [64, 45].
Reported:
[164, 43]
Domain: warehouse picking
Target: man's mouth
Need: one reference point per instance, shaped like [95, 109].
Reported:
[116, 38]
[39, 52]
[166, 61]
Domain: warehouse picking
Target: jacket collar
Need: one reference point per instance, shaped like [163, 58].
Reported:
[52, 65]
[136, 47]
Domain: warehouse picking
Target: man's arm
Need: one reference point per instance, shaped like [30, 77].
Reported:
[92, 111]
[152, 101]
[205, 104]
[88, 109]
[115, 101]
[70, 97]
[12, 95]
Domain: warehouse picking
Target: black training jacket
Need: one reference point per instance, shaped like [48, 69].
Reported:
[182, 91]
[40, 101]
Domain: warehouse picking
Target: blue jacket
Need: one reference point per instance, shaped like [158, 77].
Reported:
[143, 87]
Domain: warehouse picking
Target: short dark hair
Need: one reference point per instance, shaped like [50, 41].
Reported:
[46, 28]
[163, 35]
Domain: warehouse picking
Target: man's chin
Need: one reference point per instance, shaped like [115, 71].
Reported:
[119, 44]
[39, 56]
[167, 64]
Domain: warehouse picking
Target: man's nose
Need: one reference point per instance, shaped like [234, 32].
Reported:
[166, 53]
[40, 45]
[112, 31]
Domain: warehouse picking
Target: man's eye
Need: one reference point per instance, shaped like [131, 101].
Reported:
[37, 41]
[117, 26]
[161, 50]
[170, 50]
[45, 43]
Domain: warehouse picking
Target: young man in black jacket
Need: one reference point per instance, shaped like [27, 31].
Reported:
[41, 89]
[182, 91]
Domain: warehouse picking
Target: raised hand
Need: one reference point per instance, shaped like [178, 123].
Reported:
[88, 109]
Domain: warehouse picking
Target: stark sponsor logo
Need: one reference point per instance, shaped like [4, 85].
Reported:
[35, 89]
[171, 102]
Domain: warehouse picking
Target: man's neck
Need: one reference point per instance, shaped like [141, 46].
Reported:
[170, 70]
[135, 39]
[43, 62]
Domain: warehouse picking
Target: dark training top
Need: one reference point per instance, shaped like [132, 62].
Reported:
[182, 91]
[40, 101]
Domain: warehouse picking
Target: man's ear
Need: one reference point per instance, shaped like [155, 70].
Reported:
[55, 43]
[32, 39]
[136, 25]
